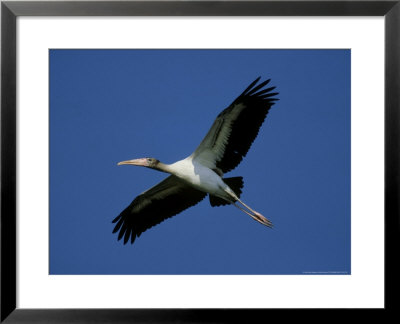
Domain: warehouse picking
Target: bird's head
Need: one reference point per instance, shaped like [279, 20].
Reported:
[146, 162]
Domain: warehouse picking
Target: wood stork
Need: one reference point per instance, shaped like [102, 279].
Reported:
[201, 173]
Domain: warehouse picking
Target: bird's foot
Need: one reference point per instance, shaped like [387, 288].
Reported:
[261, 219]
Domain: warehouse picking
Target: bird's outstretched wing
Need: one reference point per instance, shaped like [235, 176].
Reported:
[235, 128]
[164, 200]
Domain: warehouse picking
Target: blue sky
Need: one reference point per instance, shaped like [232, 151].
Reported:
[112, 105]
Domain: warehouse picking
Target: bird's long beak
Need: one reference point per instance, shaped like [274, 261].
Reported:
[140, 162]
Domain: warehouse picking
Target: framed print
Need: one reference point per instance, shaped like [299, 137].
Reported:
[117, 81]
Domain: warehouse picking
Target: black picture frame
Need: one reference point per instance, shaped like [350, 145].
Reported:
[10, 10]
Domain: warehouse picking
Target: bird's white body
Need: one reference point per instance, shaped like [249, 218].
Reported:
[200, 177]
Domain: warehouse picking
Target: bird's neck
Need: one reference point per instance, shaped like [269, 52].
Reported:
[164, 167]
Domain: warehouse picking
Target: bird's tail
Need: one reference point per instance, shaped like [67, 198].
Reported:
[236, 184]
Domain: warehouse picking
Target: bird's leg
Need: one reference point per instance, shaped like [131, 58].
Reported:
[252, 213]
[247, 207]
[255, 215]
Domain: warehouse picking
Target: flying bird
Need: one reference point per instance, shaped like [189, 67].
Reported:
[202, 173]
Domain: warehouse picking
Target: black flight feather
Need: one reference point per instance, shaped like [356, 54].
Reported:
[168, 198]
[244, 129]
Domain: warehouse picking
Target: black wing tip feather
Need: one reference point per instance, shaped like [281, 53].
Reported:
[251, 86]
[125, 230]
[257, 91]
